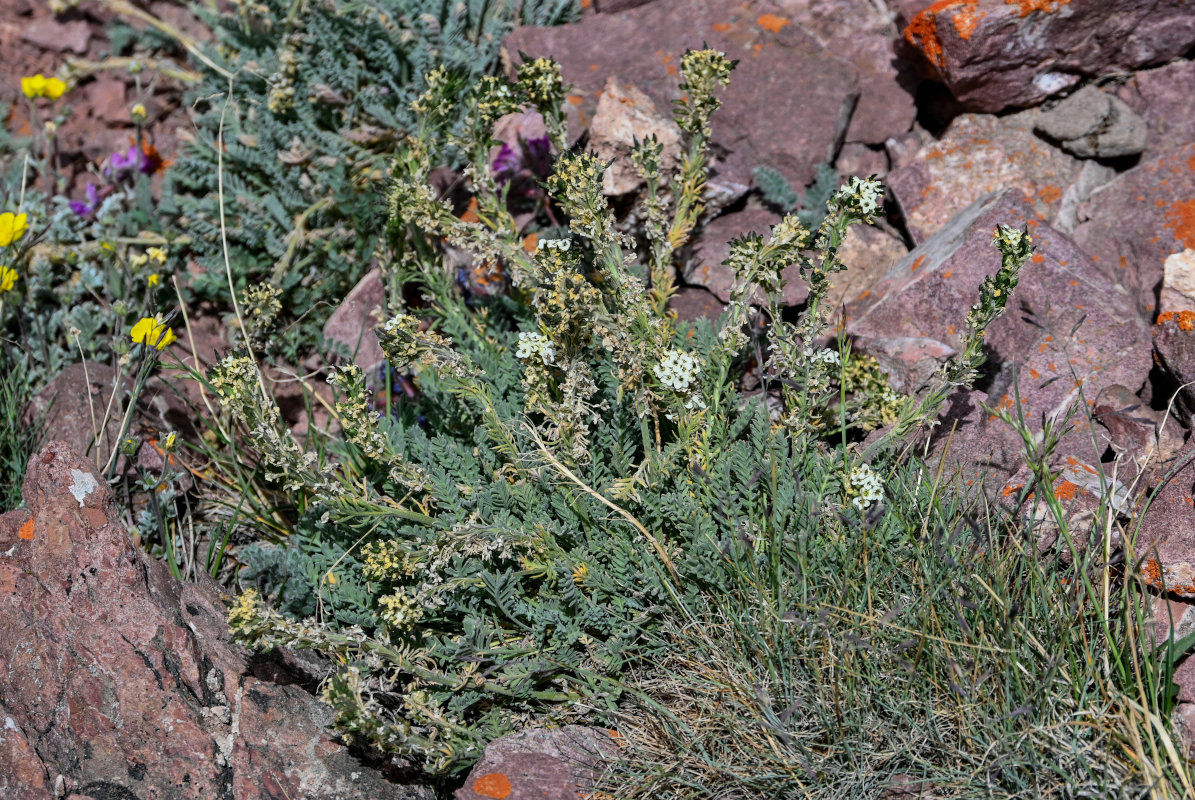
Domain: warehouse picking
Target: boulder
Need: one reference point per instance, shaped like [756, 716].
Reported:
[1093, 124]
[692, 303]
[998, 54]
[1162, 97]
[1132, 225]
[83, 405]
[625, 115]
[766, 117]
[1174, 349]
[978, 155]
[1164, 546]
[59, 37]
[124, 682]
[557, 764]
[1067, 330]
[869, 252]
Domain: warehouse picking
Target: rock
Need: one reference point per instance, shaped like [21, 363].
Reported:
[1178, 282]
[902, 150]
[1165, 543]
[614, 6]
[1174, 348]
[1093, 124]
[58, 37]
[69, 401]
[128, 676]
[1092, 175]
[706, 269]
[1172, 619]
[868, 252]
[976, 156]
[1067, 328]
[1141, 437]
[351, 324]
[859, 32]
[692, 303]
[22, 774]
[556, 764]
[861, 160]
[766, 118]
[625, 115]
[106, 99]
[1162, 97]
[1133, 224]
[998, 54]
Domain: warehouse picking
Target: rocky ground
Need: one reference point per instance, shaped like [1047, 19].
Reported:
[1070, 117]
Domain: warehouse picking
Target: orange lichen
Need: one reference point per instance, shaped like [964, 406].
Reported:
[493, 784]
[1050, 193]
[922, 31]
[1065, 490]
[772, 23]
[722, 27]
[1184, 319]
[1180, 218]
[947, 273]
[1027, 7]
[26, 530]
[1037, 258]
[530, 242]
[917, 262]
[966, 21]
[1152, 571]
[576, 99]
[470, 214]
[1034, 373]
[1010, 488]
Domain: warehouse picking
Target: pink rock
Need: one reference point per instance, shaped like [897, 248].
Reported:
[69, 400]
[977, 155]
[556, 764]
[128, 676]
[106, 98]
[861, 160]
[351, 325]
[1163, 97]
[868, 252]
[925, 298]
[58, 37]
[1164, 548]
[1133, 224]
[766, 118]
[706, 269]
[692, 303]
[997, 54]
[625, 115]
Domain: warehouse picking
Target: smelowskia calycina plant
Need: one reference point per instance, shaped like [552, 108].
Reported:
[517, 551]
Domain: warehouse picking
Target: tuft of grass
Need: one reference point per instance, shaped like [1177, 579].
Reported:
[17, 438]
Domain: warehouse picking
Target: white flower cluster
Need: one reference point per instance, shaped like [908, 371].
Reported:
[865, 191]
[826, 356]
[678, 370]
[531, 343]
[868, 485]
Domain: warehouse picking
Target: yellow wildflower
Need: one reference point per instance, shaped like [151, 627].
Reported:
[139, 261]
[8, 277]
[138, 113]
[12, 227]
[169, 441]
[152, 332]
[157, 255]
[40, 86]
[153, 280]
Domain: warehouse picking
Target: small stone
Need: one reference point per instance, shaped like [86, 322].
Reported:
[1178, 282]
[351, 324]
[625, 115]
[58, 37]
[1093, 124]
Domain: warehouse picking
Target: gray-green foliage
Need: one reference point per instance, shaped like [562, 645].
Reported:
[588, 466]
[810, 205]
[319, 98]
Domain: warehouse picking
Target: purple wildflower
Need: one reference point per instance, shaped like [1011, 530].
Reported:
[523, 168]
[128, 161]
[88, 208]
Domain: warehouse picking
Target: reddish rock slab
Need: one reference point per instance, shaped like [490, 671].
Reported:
[556, 764]
[1162, 97]
[978, 155]
[1067, 328]
[692, 303]
[766, 117]
[1164, 547]
[706, 269]
[868, 252]
[23, 775]
[624, 116]
[58, 37]
[998, 54]
[1132, 225]
[124, 680]
[351, 324]
[1174, 348]
[74, 398]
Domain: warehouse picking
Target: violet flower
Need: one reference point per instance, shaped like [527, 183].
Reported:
[523, 168]
[128, 161]
[88, 208]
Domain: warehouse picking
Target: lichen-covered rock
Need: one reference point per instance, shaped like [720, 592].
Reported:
[124, 681]
[1164, 547]
[625, 115]
[978, 155]
[1067, 329]
[1174, 348]
[766, 117]
[556, 764]
[1162, 97]
[997, 54]
[1133, 224]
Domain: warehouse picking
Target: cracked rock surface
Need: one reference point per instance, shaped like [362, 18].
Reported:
[121, 682]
